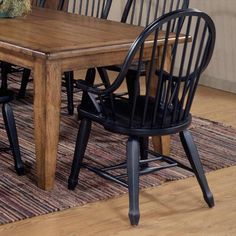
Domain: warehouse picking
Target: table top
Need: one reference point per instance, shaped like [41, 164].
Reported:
[56, 34]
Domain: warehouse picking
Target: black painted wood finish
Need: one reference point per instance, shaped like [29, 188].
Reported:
[5, 97]
[144, 12]
[165, 112]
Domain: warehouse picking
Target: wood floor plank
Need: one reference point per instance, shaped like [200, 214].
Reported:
[175, 208]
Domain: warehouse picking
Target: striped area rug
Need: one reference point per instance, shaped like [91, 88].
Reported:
[20, 198]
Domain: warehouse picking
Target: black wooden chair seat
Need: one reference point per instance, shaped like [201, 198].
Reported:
[120, 123]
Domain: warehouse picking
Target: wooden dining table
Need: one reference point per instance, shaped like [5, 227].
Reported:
[50, 42]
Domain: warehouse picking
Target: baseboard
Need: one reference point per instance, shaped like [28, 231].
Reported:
[229, 86]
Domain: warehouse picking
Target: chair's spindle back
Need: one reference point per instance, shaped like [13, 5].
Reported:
[143, 12]
[94, 8]
[61, 4]
[176, 61]
[39, 3]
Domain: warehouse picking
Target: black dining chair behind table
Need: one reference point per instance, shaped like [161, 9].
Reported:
[7, 68]
[94, 8]
[9, 121]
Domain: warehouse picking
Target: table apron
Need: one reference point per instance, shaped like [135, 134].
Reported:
[99, 59]
[17, 58]
[78, 62]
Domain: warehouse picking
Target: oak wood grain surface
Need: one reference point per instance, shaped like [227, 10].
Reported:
[50, 42]
[175, 208]
[49, 32]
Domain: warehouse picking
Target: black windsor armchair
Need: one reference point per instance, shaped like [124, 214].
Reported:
[165, 113]
[141, 13]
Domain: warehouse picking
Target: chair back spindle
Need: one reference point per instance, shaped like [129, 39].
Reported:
[93, 8]
[143, 12]
[188, 52]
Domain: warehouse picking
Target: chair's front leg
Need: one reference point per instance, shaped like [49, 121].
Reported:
[5, 70]
[80, 147]
[193, 157]
[24, 83]
[133, 150]
[10, 125]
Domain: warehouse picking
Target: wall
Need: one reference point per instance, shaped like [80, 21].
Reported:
[221, 72]
[222, 69]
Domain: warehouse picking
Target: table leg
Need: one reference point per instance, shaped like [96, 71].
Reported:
[161, 144]
[47, 101]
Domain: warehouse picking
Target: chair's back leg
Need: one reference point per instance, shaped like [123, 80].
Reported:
[193, 157]
[104, 76]
[5, 70]
[81, 144]
[24, 83]
[10, 125]
[69, 79]
[133, 151]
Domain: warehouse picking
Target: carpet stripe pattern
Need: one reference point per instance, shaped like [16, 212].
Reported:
[20, 198]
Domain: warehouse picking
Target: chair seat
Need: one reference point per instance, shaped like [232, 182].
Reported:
[6, 96]
[121, 122]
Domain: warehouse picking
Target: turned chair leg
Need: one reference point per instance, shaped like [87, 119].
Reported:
[10, 125]
[5, 70]
[69, 79]
[133, 151]
[24, 83]
[193, 157]
[81, 144]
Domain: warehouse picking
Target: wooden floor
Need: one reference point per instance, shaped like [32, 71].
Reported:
[175, 208]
